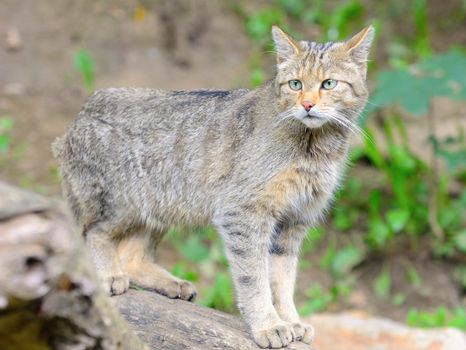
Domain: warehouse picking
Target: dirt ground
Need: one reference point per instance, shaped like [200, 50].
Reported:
[176, 45]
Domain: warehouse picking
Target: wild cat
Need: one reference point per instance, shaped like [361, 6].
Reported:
[260, 165]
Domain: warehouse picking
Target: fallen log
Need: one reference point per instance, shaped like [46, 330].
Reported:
[176, 324]
[49, 297]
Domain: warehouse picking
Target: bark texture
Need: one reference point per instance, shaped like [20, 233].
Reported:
[49, 297]
[175, 324]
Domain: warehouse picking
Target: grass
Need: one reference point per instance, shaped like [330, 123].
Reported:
[85, 64]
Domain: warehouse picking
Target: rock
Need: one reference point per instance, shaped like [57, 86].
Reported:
[348, 331]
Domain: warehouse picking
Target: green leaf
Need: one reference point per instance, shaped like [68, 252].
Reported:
[342, 16]
[441, 75]
[194, 249]
[182, 271]
[439, 318]
[459, 319]
[295, 8]
[259, 25]
[399, 299]
[85, 65]
[372, 150]
[4, 143]
[345, 260]
[318, 301]
[382, 284]
[326, 261]
[450, 70]
[6, 123]
[397, 219]
[257, 77]
[413, 277]
[220, 295]
[314, 236]
[400, 87]
[378, 234]
[460, 240]
[341, 220]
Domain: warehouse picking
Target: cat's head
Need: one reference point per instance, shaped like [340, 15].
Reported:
[318, 83]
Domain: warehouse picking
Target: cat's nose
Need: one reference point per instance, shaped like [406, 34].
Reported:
[307, 105]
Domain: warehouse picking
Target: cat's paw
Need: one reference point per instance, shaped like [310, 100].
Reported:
[115, 285]
[277, 336]
[178, 289]
[303, 332]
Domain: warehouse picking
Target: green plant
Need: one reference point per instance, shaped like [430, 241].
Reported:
[442, 317]
[84, 63]
[220, 294]
[259, 24]
[205, 249]
[382, 283]
[344, 260]
[421, 23]
[318, 300]
[6, 124]
[453, 150]
[414, 87]
[413, 277]
[181, 270]
[395, 208]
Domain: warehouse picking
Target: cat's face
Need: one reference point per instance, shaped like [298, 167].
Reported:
[321, 83]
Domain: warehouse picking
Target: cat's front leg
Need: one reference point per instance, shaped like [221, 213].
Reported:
[284, 253]
[246, 243]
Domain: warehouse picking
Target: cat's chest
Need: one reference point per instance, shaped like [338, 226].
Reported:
[302, 192]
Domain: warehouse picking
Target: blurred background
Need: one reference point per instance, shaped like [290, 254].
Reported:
[395, 242]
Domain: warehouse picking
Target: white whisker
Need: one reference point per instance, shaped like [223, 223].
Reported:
[343, 120]
[284, 116]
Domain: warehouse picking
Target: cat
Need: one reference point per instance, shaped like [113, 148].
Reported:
[260, 165]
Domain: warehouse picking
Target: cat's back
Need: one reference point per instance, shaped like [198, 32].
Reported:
[115, 121]
[148, 106]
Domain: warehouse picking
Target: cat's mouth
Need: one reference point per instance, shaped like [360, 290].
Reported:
[314, 114]
[313, 119]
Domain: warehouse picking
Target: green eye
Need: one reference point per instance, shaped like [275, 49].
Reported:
[295, 84]
[329, 84]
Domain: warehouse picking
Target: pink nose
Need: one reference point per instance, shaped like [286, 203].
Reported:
[307, 105]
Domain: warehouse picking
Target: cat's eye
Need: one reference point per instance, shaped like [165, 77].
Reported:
[329, 84]
[295, 84]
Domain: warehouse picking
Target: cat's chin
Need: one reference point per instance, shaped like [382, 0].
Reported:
[313, 122]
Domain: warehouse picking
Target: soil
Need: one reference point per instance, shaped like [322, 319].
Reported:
[175, 45]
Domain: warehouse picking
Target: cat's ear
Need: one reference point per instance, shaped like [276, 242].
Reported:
[285, 45]
[359, 45]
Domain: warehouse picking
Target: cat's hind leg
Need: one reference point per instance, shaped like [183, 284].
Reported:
[104, 254]
[136, 254]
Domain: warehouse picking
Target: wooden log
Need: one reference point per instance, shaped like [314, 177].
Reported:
[173, 324]
[49, 297]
